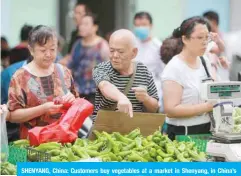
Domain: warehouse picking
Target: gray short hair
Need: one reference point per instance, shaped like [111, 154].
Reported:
[40, 35]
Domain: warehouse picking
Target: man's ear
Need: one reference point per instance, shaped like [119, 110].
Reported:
[134, 51]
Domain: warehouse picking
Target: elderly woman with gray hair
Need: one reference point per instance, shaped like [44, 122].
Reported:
[34, 86]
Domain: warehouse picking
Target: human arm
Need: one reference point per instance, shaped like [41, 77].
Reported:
[172, 93]
[109, 90]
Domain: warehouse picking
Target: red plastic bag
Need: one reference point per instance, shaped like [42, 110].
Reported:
[66, 128]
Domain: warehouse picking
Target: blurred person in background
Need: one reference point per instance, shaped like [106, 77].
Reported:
[4, 59]
[216, 48]
[4, 44]
[182, 77]
[233, 51]
[34, 86]
[86, 53]
[21, 51]
[80, 11]
[4, 53]
[148, 46]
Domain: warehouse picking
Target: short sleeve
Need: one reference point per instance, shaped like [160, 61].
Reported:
[151, 89]
[72, 87]
[100, 73]
[16, 96]
[172, 73]
[104, 51]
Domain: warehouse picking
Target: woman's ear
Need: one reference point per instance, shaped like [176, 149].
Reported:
[30, 50]
[96, 28]
[184, 39]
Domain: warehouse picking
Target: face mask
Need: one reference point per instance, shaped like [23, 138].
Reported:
[142, 32]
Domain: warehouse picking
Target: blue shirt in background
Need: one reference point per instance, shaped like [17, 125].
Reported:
[6, 77]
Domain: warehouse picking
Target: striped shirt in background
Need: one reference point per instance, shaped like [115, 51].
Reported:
[105, 71]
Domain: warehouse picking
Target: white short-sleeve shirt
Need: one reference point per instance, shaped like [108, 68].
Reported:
[149, 55]
[190, 79]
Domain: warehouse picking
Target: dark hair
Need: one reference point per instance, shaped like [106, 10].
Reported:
[169, 48]
[87, 9]
[186, 29]
[94, 18]
[143, 15]
[40, 35]
[5, 53]
[25, 30]
[212, 16]
[3, 39]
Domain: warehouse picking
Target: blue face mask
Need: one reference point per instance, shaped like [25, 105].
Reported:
[142, 32]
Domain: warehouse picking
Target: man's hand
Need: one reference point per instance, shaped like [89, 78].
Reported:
[141, 94]
[124, 105]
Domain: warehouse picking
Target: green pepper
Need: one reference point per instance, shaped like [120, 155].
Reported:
[54, 152]
[170, 148]
[92, 153]
[110, 155]
[145, 142]
[80, 152]
[159, 158]
[168, 159]
[121, 138]
[48, 146]
[56, 159]
[162, 154]
[182, 147]
[115, 147]
[181, 158]
[195, 155]
[95, 146]
[135, 157]
[156, 139]
[124, 153]
[146, 155]
[133, 134]
[149, 138]
[21, 143]
[97, 134]
[153, 152]
[129, 147]
[138, 142]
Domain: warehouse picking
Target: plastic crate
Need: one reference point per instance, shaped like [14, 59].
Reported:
[200, 140]
[37, 156]
[17, 154]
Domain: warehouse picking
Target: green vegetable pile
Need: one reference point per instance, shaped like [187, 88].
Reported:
[8, 169]
[237, 120]
[124, 148]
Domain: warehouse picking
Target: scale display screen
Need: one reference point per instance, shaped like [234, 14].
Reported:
[225, 90]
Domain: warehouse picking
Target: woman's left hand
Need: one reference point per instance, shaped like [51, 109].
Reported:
[68, 98]
[3, 108]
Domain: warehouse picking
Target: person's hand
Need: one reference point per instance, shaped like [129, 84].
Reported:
[215, 37]
[124, 105]
[68, 98]
[141, 93]
[4, 109]
[224, 62]
[52, 108]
